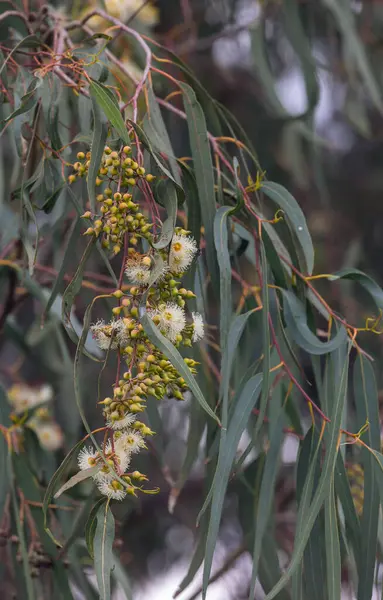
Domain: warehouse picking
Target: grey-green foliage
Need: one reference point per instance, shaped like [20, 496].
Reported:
[263, 326]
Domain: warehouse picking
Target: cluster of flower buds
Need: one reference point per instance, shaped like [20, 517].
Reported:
[118, 214]
[153, 281]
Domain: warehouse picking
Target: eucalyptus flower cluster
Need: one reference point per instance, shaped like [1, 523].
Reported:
[153, 284]
[118, 214]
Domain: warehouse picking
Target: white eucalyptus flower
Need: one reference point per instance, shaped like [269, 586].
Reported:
[87, 458]
[103, 333]
[23, 397]
[136, 273]
[113, 489]
[199, 327]
[50, 435]
[182, 251]
[130, 442]
[126, 420]
[121, 461]
[170, 319]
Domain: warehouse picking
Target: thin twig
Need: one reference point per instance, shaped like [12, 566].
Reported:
[133, 33]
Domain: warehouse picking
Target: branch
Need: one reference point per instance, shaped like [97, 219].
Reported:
[132, 32]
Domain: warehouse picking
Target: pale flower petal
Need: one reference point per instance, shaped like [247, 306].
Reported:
[199, 327]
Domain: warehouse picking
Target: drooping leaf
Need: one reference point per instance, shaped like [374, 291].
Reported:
[333, 559]
[80, 476]
[371, 287]
[309, 514]
[227, 451]
[157, 158]
[23, 547]
[90, 527]
[53, 484]
[203, 167]
[223, 256]
[109, 105]
[175, 358]
[296, 221]
[366, 400]
[155, 129]
[100, 133]
[102, 548]
[72, 237]
[71, 292]
[28, 101]
[296, 321]
[266, 492]
[167, 196]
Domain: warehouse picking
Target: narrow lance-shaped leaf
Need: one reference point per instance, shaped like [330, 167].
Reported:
[296, 220]
[366, 401]
[108, 103]
[243, 408]
[203, 167]
[156, 130]
[266, 316]
[90, 526]
[371, 287]
[296, 320]
[80, 476]
[265, 501]
[167, 196]
[53, 484]
[73, 236]
[100, 133]
[311, 573]
[175, 358]
[223, 256]
[236, 329]
[324, 483]
[156, 157]
[23, 546]
[102, 548]
[333, 563]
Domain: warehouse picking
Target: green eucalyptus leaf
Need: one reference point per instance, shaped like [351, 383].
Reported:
[91, 524]
[223, 256]
[296, 320]
[366, 401]
[100, 134]
[203, 167]
[295, 219]
[166, 195]
[102, 548]
[109, 105]
[175, 358]
[371, 287]
[310, 511]
[333, 559]
[53, 485]
[156, 131]
[227, 452]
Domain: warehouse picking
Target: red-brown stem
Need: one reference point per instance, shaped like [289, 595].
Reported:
[290, 374]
